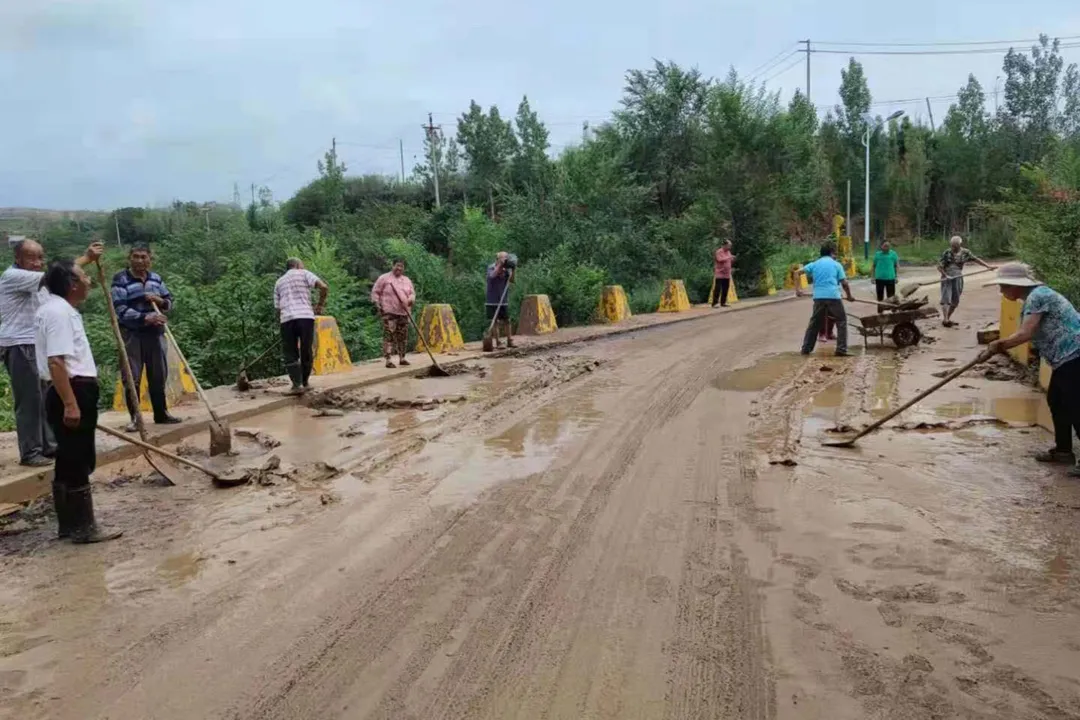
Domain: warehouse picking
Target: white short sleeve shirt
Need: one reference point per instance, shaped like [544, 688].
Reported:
[292, 295]
[60, 333]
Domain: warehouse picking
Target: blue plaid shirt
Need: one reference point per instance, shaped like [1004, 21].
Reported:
[129, 297]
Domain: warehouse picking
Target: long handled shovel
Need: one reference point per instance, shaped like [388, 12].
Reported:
[435, 370]
[850, 442]
[222, 479]
[909, 289]
[220, 434]
[243, 384]
[129, 379]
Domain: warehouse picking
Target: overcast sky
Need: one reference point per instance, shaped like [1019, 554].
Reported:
[137, 102]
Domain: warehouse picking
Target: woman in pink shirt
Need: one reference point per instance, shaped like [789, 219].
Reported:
[723, 259]
[393, 296]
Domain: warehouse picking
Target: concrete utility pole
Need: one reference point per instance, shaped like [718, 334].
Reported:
[252, 194]
[931, 111]
[807, 51]
[116, 220]
[401, 150]
[431, 129]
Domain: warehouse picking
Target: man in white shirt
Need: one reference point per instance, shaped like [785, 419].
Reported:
[71, 405]
[292, 299]
[20, 295]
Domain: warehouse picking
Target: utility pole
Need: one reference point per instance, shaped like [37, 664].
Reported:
[401, 150]
[252, 194]
[996, 81]
[807, 51]
[116, 220]
[431, 129]
[931, 111]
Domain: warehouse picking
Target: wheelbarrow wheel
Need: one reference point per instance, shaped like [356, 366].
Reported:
[906, 334]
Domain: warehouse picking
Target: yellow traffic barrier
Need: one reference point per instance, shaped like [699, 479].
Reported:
[767, 286]
[179, 386]
[789, 278]
[440, 329]
[1010, 323]
[330, 354]
[536, 317]
[673, 298]
[614, 307]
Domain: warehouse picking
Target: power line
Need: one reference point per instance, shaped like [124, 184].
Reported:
[943, 44]
[773, 65]
[783, 53]
[973, 51]
[797, 61]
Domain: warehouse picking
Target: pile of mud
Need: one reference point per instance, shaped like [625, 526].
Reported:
[355, 400]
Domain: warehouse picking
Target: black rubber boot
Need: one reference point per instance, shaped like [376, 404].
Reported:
[297, 377]
[85, 529]
[63, 511]
[305, 375]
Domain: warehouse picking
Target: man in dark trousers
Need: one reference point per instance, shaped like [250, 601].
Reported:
[499, 275]
[71, 405]
[141, 300]
[21, 294]
[292, 299]
[828, 278]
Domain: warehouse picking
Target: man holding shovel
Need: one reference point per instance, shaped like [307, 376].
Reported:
[292, 300]
[71, 405]
[393, 296]
[951, 267]
[828, 278]
[499, 276]
[141, 301]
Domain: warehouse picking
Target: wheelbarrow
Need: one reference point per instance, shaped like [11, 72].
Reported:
[900, 318]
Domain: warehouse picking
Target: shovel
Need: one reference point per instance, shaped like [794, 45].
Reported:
[434, 370]
[129, 380]
[230, 479]
[220, 434]
[850, 442]
[243, 384]
[909, 289]
[489, 342]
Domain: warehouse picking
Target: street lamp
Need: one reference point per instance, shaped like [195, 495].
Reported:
[871, 125]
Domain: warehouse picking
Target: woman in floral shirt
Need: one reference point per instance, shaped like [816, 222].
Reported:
[1052, 325]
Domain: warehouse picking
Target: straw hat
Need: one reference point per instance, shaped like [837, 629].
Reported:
[1015, 274]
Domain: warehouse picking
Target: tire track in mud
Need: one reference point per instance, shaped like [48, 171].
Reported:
[498, 591]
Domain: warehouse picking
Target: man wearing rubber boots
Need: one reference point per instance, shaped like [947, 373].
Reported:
[393, 296]
[21, 294]
[499, 276]
[141, 301]
[292, 300]
[71, 404]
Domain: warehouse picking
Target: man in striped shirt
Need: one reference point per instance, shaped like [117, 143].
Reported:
[292, 299]
[141, 300]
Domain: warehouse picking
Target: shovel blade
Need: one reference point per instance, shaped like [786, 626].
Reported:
[840, 443]
[220, 439]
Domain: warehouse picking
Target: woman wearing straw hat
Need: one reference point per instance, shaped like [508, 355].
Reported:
[1052, 325]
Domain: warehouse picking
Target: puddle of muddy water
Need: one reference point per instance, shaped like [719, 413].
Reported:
[886, 378]
[759, 376]
[1027, 410]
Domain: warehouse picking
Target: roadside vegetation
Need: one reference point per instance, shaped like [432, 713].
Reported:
[683, 161]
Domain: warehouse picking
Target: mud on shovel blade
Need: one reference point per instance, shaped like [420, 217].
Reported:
[850, 442]
[164, 469]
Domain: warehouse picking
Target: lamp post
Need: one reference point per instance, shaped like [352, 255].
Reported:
[871, 125]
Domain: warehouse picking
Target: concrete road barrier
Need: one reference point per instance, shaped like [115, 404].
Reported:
[1010, 323]
[673, 298]
[440, 329]
[789, 278]
[767, 286]
[536, 317]
[614, 307]
[732, 293]
[179, 387]
[331, 355]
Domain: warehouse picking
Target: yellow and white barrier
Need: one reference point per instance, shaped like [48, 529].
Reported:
[440, 329]
[179, 386]
[673, 298]
[789, 278]
[614, 307]
[536, 317]
[330, 354]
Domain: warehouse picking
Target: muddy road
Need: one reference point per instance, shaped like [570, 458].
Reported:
[640, 527]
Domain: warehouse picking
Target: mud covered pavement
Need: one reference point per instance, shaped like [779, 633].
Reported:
[644, 526]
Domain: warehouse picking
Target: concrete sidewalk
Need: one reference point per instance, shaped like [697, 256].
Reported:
[19, 484]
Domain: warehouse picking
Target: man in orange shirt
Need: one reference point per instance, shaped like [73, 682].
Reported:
[722, 262]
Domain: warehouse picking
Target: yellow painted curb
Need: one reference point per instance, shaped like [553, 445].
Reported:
[673, 298]
[178, 387]
[536, 317]
[614, 307]
[330, 355]
[440, 329]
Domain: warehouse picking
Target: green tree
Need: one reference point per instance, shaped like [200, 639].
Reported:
[488, 142]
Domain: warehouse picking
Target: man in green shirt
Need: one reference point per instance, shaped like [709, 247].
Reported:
[884, 270]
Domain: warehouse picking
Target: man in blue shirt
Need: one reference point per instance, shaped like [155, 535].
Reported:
[141, 300]
[828, 278]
